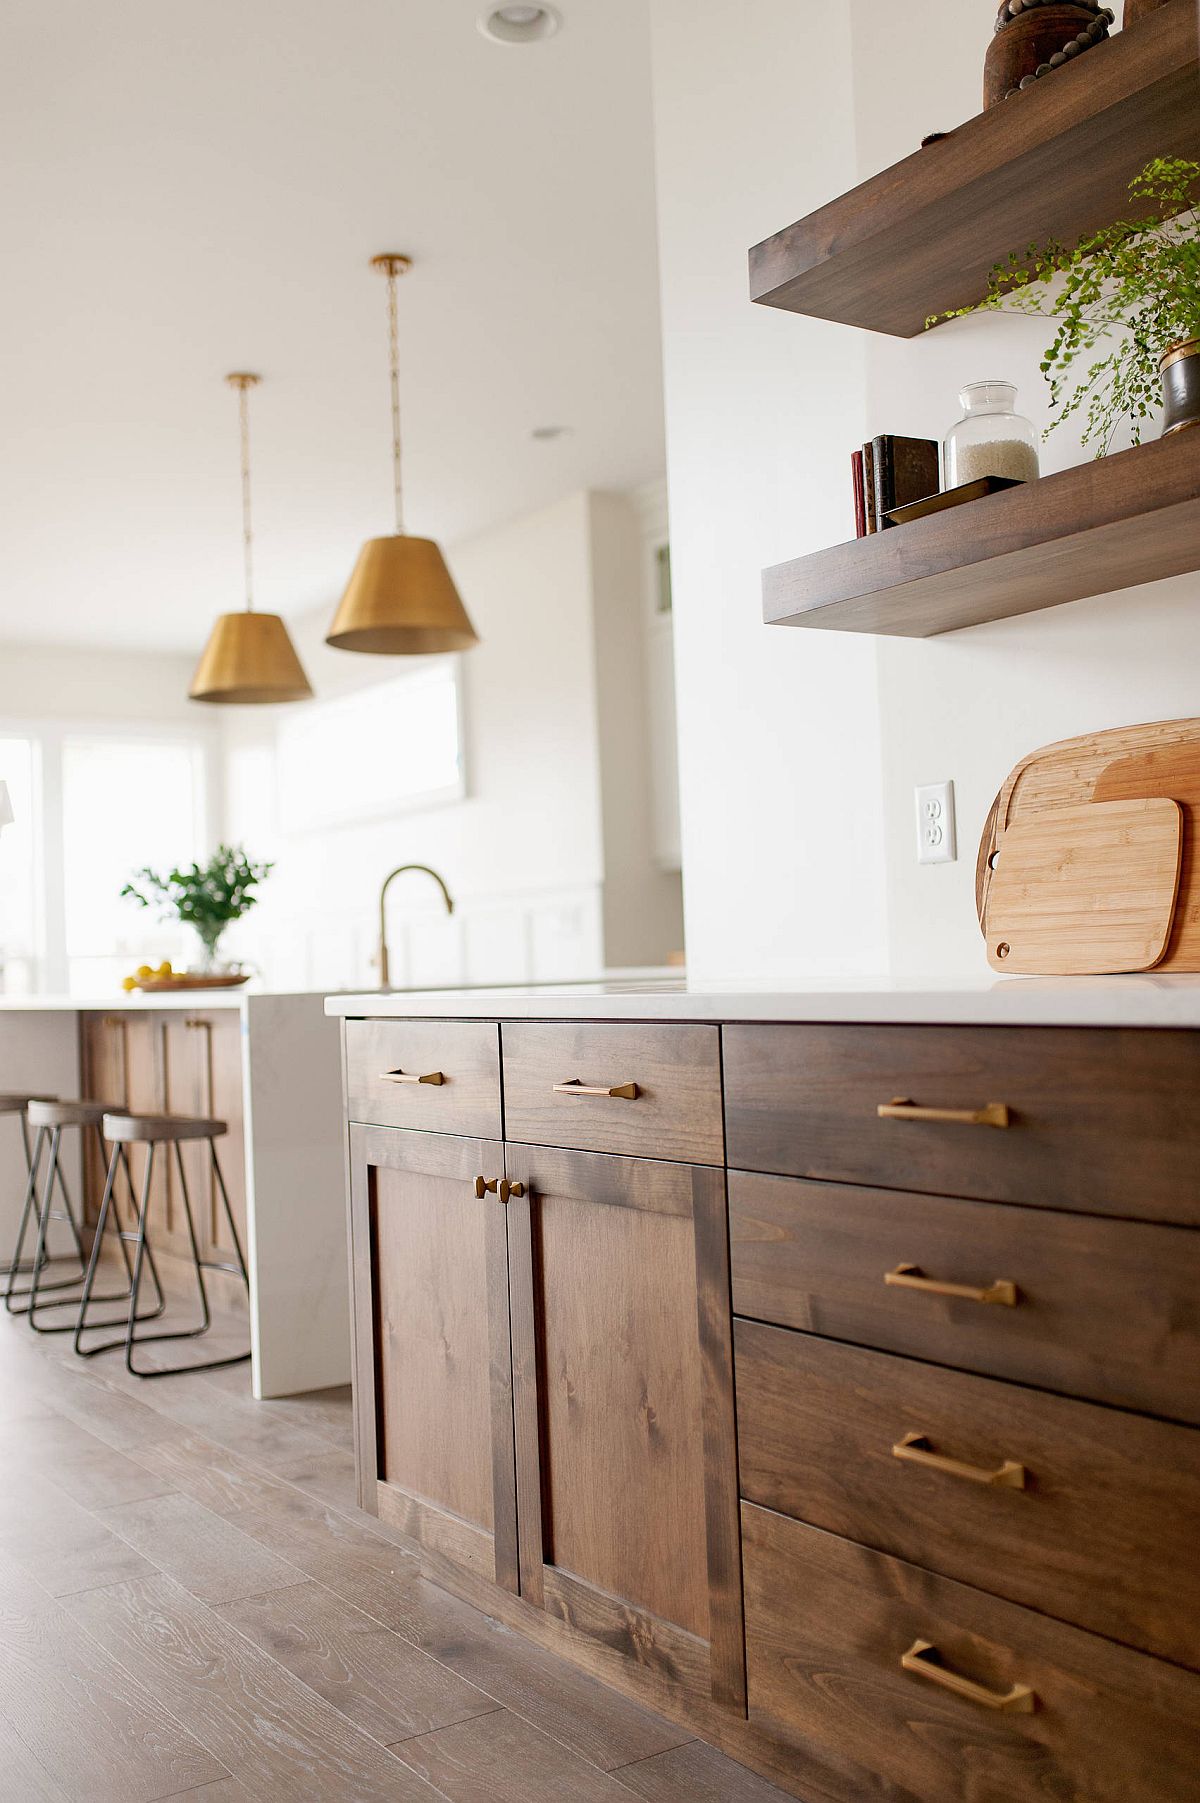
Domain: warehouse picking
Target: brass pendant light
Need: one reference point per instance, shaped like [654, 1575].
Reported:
[249, 656]
[401, 599]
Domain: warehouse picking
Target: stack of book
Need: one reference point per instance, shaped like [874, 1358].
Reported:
[891, 472]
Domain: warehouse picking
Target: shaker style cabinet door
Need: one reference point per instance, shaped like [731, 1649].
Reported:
[623, 1407]
[432, 1369]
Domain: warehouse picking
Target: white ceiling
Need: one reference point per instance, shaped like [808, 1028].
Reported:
[194, 189]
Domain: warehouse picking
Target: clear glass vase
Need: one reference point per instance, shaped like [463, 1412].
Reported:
[991, 438]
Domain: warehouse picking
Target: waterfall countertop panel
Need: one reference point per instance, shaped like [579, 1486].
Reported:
[1128, 1001]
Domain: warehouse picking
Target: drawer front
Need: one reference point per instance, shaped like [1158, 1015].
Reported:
[385, 1060]
[1103, 1121]
[1108, 1310]
[558, 1084]
[1087, 1514]
[829, 1625]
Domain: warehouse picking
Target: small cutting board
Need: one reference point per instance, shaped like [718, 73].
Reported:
[1087, 890]
[1172, 770]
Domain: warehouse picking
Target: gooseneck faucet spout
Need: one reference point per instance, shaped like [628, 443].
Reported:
[384, 972]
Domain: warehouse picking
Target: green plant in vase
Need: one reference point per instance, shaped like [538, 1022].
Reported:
[206, 897]
[1130, 291]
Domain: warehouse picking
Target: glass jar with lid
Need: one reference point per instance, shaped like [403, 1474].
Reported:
[991, 438]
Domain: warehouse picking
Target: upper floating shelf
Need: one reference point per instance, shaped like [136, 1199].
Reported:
[1054, 161]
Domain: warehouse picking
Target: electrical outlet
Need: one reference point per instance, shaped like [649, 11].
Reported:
[935, 824]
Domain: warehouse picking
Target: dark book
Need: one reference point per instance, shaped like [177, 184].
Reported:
[904, 470]
[868, 458]
[860, 499]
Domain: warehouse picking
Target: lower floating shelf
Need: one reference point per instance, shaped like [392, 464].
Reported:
[1109, 524]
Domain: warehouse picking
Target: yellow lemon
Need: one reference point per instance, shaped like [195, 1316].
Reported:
[164, 969]
[129, 983]
[144, 970]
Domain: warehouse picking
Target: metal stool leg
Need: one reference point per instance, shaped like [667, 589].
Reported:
[143, 1254]
[108, 1206]
[16, 1266]
[41, 1258]
[37, 1302]
[19, 1268]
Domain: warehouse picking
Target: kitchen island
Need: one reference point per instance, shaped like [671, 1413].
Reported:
[267, 1065]
[822, 1368]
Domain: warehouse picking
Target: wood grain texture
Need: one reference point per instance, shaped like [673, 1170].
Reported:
[698, 1774]
[1102, 1534]
[645, 1640]
[68, 1456]
[467, 1053]
[200, 1550]
[439, 1531]
[676, 1114]
[381, 1683]
[569, 1705]
[1104, 525]
[1109, 1724]
[97, 1733]
[374, 1574]
[1162, 758]
[1102, 1120]
[1055, 161]
[63, 1546]
[273, 1733]
[501, 1759]
[616, 1361]
[1107, 1310]
[1086, 891]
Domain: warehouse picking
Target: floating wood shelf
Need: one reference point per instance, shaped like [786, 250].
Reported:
[1106, 525]
[1054, 161]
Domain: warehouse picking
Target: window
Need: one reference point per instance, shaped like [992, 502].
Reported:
[92, 806]
[125, 805]
[379, 751]
[20, 936]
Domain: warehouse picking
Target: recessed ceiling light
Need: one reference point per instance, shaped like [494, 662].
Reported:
[519, 24]
[545, 433]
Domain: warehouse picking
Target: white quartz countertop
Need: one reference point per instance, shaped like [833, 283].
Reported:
[1129, 1001]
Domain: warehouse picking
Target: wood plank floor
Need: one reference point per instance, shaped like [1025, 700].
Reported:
[191, 1606]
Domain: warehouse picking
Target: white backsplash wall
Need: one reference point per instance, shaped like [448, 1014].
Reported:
[524, 853]
[800, 751]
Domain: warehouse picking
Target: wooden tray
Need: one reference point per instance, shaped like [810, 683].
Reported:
[1127, 762]
[162, 985]
[951, 497]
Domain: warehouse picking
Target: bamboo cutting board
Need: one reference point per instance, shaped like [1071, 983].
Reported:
[1162, 758]
[1087, 890]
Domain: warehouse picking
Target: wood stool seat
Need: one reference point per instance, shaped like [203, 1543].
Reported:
[159, 1129]
[17, 1104]
[66, 1114]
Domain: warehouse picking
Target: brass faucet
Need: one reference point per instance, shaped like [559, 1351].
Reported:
[384, 973]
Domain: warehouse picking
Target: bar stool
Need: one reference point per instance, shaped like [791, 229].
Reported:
[49, 1119]
[17, 1105]
[152, 1131]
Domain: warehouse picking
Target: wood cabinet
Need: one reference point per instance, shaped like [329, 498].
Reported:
[935, 1544]
[174, 1062]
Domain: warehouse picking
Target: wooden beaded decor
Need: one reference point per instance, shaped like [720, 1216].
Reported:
[1032, 38]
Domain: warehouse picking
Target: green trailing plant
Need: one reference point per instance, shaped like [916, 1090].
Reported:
[204, 896]
[1136, 281]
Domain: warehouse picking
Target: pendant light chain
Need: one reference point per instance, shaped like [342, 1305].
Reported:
[244, 382]
[394, 363]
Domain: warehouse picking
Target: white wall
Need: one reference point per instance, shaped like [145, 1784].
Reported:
[778, 732]
[800, 751]
[525, 854]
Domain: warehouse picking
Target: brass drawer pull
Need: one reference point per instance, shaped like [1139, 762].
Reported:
[434, 1077]
[911, 1277]
[903, 1108]
[923, 1658]
[916, 1450]
[628, 1092]
[498, 1186]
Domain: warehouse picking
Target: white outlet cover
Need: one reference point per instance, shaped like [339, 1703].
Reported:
[936, 839]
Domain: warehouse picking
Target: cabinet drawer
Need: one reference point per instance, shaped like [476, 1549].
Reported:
[1103, 1309]
[828, 1624]
[559, 1084]
[1099, 1120]
[1095, 1518]
[385, 1060]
